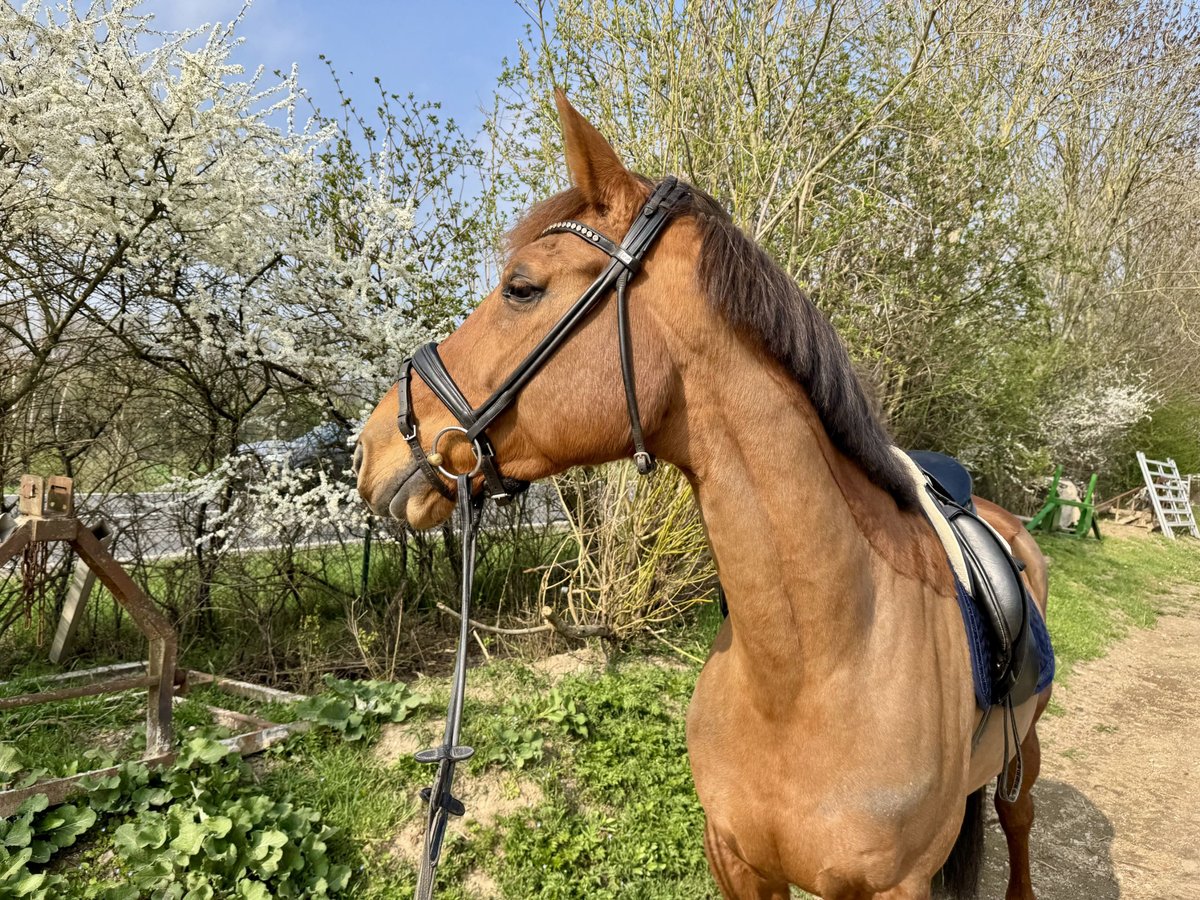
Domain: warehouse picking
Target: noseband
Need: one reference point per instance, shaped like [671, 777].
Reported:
[625, 259]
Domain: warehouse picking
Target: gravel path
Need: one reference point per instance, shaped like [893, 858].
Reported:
[1118, 811]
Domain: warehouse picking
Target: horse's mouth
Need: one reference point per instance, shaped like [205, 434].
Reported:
[409, 499]
[391, 498]
[399, 501]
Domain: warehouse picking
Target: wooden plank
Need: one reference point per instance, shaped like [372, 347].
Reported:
[160, 673]
[124, 589]
[164, 644]
[244, 688]
[59, 790]
[15, 542]
[115, 669]
[60, 496]
[112, 686]
[33, 487]
[82, 581]
[53, 529]
[233, 720]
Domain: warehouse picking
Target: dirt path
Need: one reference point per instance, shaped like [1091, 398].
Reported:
[1118, 801]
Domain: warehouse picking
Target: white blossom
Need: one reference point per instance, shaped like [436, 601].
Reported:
[1084, 424]
[192, 192]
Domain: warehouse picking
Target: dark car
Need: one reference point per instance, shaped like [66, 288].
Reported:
[326, 447]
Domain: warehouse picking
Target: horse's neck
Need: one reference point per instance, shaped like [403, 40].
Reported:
[808, 550]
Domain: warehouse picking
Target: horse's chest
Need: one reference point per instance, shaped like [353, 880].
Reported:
[798, 792]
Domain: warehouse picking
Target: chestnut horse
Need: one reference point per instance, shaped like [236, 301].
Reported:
[830, 732]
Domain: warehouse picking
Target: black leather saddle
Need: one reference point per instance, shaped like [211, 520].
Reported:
[996, 587]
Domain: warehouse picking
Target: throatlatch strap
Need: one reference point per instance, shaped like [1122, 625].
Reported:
[641, 458]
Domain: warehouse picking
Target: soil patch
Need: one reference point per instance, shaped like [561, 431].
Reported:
[573, 662]
[488, 797]
[401, 741]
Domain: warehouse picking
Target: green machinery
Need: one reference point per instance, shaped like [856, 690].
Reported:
[1047, 517]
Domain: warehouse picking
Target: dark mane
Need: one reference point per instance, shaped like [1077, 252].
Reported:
[754, 294]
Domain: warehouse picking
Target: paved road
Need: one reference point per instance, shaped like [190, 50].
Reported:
[161, 524]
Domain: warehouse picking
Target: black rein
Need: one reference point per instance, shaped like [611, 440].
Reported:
[624, 261]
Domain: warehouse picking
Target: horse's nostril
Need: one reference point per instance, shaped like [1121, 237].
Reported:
[358, 457]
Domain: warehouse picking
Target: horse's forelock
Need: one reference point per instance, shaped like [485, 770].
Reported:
[568, 204]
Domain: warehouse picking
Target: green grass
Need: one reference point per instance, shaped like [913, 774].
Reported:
[614, 811]
[1099, 590]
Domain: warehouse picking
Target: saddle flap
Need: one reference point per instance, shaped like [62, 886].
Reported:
[1012, 657]
[995, 583]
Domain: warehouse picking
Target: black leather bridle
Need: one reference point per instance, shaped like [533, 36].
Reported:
[473, 422]
[624, 261]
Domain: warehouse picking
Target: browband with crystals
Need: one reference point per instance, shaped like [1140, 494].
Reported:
[592, 236]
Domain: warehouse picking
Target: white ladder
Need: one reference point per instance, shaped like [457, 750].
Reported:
[1169, 494]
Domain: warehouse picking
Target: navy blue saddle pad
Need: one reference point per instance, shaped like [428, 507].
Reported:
[949, 475]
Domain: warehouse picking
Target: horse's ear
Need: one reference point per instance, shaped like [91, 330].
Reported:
[592, 163]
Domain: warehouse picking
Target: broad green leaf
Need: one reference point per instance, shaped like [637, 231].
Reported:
[35, 804]
[10, 762]
[19, 834]
[68, 823]
[12, 864]
[253, 890]
[218, 826]
[190, 837]
[206, 751]
[338, 877]
[25, 885]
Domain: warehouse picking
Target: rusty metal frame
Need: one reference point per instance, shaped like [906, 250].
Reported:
[47, 515]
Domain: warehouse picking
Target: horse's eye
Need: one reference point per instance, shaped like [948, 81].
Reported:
[521, 291]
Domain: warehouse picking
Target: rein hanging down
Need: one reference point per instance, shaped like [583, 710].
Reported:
[625, 260]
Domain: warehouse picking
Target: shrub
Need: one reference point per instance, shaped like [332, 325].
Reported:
[642, 557]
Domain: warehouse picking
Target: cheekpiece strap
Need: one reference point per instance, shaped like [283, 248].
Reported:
[408, 430]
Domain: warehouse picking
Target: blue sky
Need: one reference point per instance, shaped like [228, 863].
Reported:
[444, 50]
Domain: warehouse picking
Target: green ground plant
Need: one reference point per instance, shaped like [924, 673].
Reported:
[351, 707]
[198, 830]
[599, 755]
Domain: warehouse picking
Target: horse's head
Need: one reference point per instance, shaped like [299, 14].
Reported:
[573, 410]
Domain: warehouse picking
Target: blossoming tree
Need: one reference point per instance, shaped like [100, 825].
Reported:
[192, 258]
